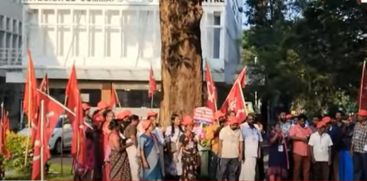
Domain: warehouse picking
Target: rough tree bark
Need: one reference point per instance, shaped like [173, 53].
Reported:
[181, 57]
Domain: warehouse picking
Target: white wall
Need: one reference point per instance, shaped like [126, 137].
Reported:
[118, 35]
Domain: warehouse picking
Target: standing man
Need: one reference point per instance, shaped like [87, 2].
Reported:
[359, 146]
[301, 157]
[335, 132]
[132, 151]
[230, 150]
[320, 147]
[253, 138]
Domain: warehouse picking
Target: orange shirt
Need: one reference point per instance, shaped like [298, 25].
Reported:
[300, 147]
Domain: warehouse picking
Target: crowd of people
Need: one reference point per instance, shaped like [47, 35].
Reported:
[123, 147]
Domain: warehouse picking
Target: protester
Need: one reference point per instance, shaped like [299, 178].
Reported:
[320, 147]
[132, 151]
[173, 133]
[284, 123]
[108, 116]
[345, 156]
[359, 147]
[335, 132]
[301, 157]
[230, 150]
[190, 153]
[149, 153]
[119, 160]
[158, 132]
[212, 135]
[313, 123]
[252, 137]
[278, 155]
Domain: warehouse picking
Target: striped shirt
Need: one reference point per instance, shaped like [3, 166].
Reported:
[359, 140]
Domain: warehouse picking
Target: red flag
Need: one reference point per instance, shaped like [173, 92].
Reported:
[152, 84]
[235, 102]
[30, 106]
[212, 91]
[4, 129]
[363, 89]
[52, 110]
[74, 103]
[44, 84]
[242, 78]
[114, 97]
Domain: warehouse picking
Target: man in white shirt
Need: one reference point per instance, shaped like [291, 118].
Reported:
[320, 146]
[252, 137]
[230, 150]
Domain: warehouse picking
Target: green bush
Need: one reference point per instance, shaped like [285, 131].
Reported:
[16, 145]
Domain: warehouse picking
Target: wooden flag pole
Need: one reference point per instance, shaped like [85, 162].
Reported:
[29, 118]
[42, 142]
[152, 101]
[62, 141]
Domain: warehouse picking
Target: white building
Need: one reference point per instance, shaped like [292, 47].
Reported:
[116, 42]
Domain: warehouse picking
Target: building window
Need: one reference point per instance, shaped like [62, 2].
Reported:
[113, 34]
[80, 33]
[214, 30]
[1, 22]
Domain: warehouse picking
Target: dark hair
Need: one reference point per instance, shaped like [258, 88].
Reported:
[106, 112]
[113, 125]
[173, 117]
[302, 116]
[341, 113]
[134, 117]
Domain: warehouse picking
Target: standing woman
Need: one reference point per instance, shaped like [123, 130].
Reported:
[108, 116]
[278, 156]
[149, 153]
[173, 133]
[119, 160]
[190, 154]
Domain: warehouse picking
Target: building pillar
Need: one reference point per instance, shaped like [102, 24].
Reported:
[106, 92]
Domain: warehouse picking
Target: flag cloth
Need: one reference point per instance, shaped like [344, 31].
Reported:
[114, 97]
[30, 106]
[74, 103]
[52, 110]
[362, 100]
[235, 102]
[211, 89]
[44, 85]
[152, 83]
[242, 77]
[4, 129]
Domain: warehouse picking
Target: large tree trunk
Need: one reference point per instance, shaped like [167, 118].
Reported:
[181, 57]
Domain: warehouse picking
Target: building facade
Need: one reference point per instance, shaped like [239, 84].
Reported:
[116, 42]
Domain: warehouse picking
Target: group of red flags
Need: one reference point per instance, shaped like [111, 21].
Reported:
[235, 100]
[4, 129]
[43, 113]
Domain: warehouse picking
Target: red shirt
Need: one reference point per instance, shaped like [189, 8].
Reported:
[300, 147]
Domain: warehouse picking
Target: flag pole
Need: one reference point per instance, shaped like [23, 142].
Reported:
[62, 141]
[42, 142]
[29, 117]
[361, 86]
[152, 101]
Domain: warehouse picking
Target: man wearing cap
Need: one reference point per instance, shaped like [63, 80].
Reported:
[252, 137]
[359, 146]
[299, 133]
[320, 147]
[212, 135]
[230, 150]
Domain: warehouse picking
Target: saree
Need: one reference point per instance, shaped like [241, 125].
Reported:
[151, 153]
[120, 166]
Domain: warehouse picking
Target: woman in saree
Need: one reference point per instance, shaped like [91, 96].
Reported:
[119, 160]
[108, 116]
[149, 153]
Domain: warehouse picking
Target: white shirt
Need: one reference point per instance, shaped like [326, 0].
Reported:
[230, 142]
[252, 137]
[320, 146]
[175, 137]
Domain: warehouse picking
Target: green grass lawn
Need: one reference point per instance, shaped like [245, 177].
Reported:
[54, 174]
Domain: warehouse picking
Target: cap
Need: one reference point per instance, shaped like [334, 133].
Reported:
[218, 115]
[232, 120]
[321, 124]
[123, 114]
[146, 124]
[85, 106]
[362, 112]
[187, 120]
[326, 120]
[152, 113]
[102, 105]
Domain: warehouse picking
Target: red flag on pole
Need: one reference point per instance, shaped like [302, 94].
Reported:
[52, 110]
[4, 129]
[242, 77]
[30, 106]
[152, 83]
[74, 103]
[235, 102]
[44, 84]
[362, 100]
[114, 97]
[212, 91]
